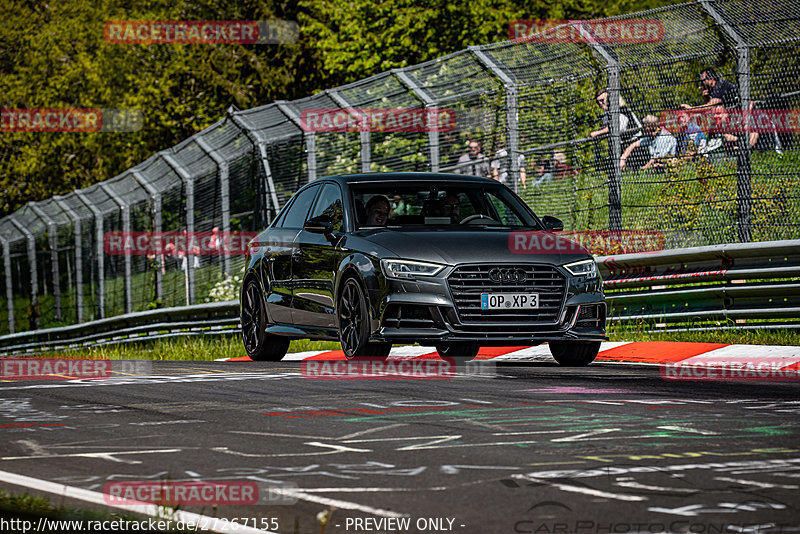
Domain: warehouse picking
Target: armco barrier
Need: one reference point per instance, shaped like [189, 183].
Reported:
[753, 285]
[706, 287]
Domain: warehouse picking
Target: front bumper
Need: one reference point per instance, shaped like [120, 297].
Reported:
[425, 312]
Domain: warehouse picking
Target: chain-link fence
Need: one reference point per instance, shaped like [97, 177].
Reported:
[587, 128]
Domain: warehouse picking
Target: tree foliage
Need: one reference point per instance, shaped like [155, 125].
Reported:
[53, 55]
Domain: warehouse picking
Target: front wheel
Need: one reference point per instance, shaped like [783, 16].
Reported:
[259, 345]
[463, 349]
[574, 353]
[354, 324]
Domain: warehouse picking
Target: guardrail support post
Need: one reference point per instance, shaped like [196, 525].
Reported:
[9, 283]
[366, 149]
[188, 182]
[512, 111]
[614, 147]
[101, 268]
[52, 235]
[31, 239]
[156, 196]
[260, 143]
[430, 102]
[744, 185]
[225, 195]
[310, 138]
[76, 230]
[126, 229]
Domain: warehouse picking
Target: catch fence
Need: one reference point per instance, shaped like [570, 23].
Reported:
[530, 103]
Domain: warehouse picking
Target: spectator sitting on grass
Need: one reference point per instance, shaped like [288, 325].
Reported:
[691, 138]
[544, 172]
[562, 169]
[657, 140]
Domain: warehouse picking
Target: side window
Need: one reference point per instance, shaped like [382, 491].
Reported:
[301, 203]
[507, 215]
[330, 204]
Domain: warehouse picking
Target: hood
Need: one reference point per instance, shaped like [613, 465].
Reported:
[456, 246]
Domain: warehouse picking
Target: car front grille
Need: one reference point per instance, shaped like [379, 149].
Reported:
[469, 281]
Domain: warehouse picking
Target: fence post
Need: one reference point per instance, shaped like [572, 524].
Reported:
[52, 235]
[101, 268]
[31, 239]
[430, 102]
[744, 181]
[225, 195]
[126, 229]
[614, 147]
[260, 143]
[9, 283]
[310, 137]
[76, 229]
[363, 131]
[156, 196]
[512, 110]
[188, 181]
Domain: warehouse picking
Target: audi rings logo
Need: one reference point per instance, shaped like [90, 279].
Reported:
[507, 275]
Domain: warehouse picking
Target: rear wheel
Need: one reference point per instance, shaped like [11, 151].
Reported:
[354, 324]
[458, 349]
[258, 344]
[574, 353]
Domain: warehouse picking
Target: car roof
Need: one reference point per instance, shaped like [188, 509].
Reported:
[410, 177]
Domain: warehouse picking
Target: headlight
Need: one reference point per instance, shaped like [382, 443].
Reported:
[408, 269]
[587, 268]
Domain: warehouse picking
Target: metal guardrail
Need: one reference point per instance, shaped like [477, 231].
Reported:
[747, 286]
[211, 318]
[744, 286]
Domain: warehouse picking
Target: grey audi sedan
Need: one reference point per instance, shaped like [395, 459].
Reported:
[451, 261]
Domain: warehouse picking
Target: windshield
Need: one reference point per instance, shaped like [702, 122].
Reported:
[441, 203]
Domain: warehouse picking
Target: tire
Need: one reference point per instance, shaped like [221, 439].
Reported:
[458, 349]
[259, 345]
[353, 316]
[574, 353]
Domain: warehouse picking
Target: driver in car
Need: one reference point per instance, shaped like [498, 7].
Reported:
[450, 206]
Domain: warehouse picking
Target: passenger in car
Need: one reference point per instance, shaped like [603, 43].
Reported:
[377, 211]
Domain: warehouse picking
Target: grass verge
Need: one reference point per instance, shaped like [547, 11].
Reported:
[23, 513]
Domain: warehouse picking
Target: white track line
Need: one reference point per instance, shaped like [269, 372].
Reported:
[212, 524]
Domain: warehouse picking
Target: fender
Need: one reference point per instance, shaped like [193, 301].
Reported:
[367, 270]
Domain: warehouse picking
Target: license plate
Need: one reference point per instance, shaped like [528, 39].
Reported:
[509, 301]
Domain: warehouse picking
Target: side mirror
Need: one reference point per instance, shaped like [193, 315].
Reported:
[319, 225]
[551, 224]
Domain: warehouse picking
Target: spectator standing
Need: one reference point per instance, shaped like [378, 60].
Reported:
[718, 90]
[660, 143]
[629, 125]
[474, 162]
[500, 167]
